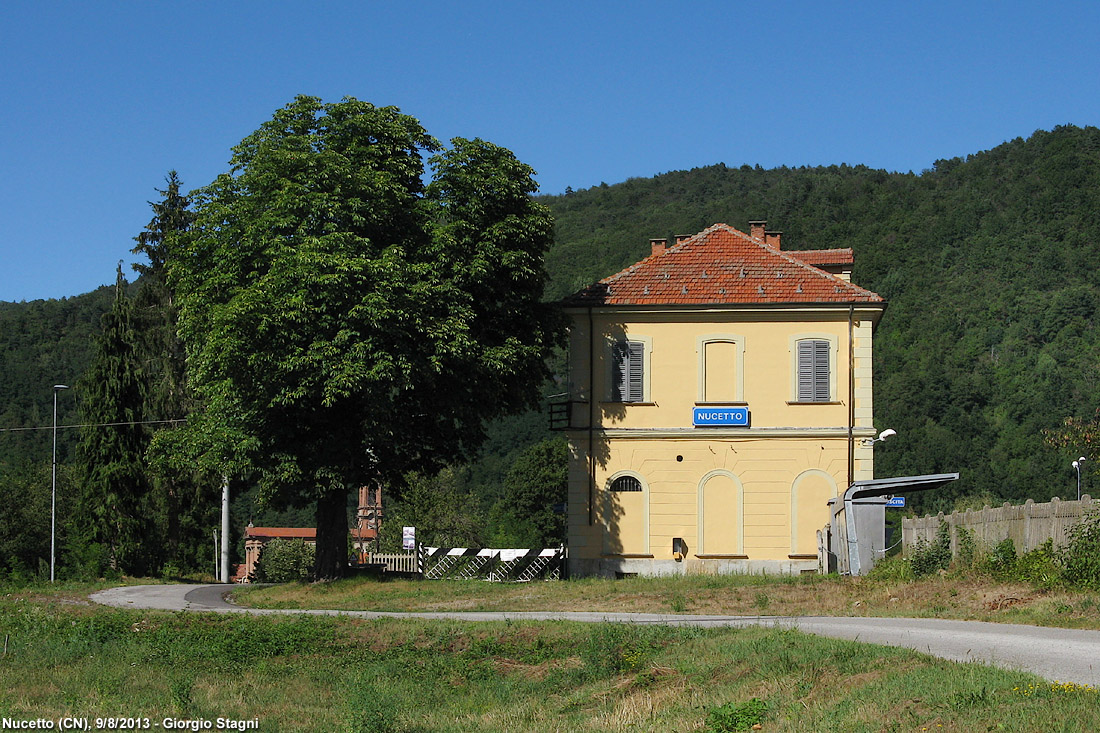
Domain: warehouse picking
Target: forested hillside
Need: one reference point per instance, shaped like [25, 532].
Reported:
[42, 343]
[990, 264]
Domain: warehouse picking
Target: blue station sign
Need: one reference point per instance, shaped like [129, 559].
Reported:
[896, 502]
[726, 417]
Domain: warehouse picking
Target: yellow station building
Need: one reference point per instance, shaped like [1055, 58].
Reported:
[720, 395]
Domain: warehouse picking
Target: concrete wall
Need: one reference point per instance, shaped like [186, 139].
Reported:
[1028, 525]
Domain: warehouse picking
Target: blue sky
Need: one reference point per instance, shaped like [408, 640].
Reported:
[100, 100]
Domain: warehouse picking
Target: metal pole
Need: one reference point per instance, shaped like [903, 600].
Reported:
[53, 490]
[1079, 462]
[225, 530]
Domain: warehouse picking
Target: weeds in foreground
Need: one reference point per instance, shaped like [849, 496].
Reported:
[733, 717]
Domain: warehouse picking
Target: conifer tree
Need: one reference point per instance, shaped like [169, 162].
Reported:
[113, 507]
[182, 505]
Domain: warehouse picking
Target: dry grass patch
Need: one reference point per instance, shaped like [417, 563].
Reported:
[963, 597]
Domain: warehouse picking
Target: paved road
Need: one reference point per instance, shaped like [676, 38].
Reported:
[1065, 655]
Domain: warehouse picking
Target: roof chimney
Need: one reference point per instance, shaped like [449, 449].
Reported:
[682, 237]
[657, 246]
[772, 239]
[756, 229]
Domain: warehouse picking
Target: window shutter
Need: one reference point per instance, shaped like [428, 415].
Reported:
[821, 371]
[805, 371]
[627, 372]
[619, 359]
[636, 376]
[813, 371]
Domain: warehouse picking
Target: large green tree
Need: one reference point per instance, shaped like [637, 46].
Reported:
[532, 513]
[346, 323]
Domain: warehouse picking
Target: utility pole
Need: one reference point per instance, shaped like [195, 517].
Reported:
[53, 492]
[225, 530]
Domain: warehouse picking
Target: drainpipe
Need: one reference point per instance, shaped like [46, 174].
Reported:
[849, 518]
[591, 419]
[851, 395]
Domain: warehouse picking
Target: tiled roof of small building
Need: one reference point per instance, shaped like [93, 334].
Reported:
[304, 533]
[721, 265]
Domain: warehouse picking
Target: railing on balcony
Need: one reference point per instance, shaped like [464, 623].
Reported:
[562, 412]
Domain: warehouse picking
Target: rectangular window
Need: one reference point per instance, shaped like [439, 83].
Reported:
[628, 372]
[813, 371]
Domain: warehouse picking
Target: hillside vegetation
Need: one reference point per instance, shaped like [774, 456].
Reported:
[989, 263]
[990, 266]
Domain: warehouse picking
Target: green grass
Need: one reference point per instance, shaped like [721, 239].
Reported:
[66, 657]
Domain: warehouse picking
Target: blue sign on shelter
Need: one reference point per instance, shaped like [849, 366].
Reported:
[733, 417]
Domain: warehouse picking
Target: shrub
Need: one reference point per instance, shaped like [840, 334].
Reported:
[1040, 566]
[1001, 561]
[285, 561]
[1080, 558]
[931, 557]
[967, 548]
[894, 569]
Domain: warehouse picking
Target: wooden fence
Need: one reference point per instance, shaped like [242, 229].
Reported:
[395, 562]
[1028, 525]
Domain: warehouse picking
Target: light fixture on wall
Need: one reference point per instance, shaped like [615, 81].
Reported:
[888, 432]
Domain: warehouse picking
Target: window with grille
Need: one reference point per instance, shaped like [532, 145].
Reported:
[626, 483]
[628, 372]
[813, 371]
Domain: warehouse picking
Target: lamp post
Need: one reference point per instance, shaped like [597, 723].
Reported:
[53, 493]
[1077, 467]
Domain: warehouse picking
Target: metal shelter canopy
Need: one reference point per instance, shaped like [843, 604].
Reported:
[865, 490]
[898, 485]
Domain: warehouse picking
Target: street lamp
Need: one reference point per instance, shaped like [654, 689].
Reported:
[1077, 467]
[887, 433]
[53, 494]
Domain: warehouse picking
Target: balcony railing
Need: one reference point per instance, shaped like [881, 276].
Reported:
[562, 413]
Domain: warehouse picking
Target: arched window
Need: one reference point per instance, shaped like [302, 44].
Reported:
[626, 483]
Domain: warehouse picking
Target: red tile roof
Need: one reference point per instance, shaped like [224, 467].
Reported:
[825, 257]
[721, 265]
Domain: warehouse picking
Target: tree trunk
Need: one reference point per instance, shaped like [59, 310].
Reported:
[331, 558]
